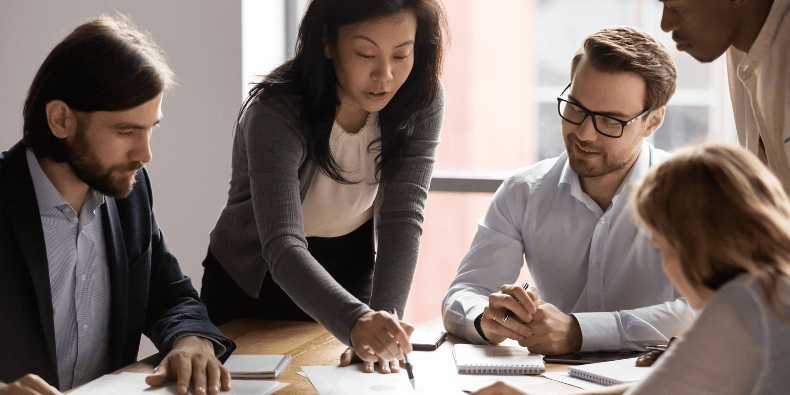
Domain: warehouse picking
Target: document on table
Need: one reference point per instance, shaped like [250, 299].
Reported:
[356, 381]
[474, 383]
[434, 373]
[134, 384]
[566, 378]
[334, 380]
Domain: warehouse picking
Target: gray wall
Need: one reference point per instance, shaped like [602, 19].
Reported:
[191, 150]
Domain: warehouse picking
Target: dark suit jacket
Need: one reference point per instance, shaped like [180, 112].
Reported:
[149, 294]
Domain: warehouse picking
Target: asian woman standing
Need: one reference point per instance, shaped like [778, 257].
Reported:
[332, 159]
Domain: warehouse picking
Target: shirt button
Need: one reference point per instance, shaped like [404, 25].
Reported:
[85, 327]
[83, 277]
[602, 221]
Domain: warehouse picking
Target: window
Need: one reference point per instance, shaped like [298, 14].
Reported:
[507, 63]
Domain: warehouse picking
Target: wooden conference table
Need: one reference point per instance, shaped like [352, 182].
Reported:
[309, 344]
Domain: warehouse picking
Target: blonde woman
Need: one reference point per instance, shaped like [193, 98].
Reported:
[722, 222]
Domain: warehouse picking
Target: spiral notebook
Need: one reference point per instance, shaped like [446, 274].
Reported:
[474, 359]
[611, 373]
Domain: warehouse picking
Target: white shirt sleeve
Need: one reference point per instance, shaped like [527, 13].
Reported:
[718, 355]
[495, 258]
[634, 329]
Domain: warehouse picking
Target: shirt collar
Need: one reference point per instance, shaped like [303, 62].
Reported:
[768, 35]
[48, 196]
[635, 175]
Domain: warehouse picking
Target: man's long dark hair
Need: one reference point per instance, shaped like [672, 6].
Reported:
[311, 75]
[105, 64]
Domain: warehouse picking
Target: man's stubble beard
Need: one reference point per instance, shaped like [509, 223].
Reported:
[85, 165]
[581, 168]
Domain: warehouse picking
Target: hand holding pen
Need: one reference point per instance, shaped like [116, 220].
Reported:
[511, 300]
[378, 336]
[406, 360]
[507, 315]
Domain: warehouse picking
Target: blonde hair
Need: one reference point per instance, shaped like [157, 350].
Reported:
[724, 213]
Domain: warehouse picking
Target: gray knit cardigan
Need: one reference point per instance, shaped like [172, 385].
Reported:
[260, 229]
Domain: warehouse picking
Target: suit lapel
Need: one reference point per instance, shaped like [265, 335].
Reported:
[25, 219]
[119, 281]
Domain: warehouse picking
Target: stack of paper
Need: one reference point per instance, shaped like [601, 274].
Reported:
[257, 366]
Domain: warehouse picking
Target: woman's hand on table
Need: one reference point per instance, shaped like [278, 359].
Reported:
[379, 336]
[392, 366]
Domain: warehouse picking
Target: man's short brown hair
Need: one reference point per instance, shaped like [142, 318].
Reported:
[625, 48]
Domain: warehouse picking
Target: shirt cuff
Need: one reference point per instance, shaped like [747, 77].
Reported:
[471, 331]
[600, 331]
[219, 349]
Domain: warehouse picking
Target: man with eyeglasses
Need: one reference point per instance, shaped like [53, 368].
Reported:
[601, 281]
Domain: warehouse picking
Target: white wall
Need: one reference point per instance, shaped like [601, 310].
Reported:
[191, 150]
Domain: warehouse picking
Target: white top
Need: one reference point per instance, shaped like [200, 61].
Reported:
[760, 91]
[331, 209]
[737, 346]
[593, 263]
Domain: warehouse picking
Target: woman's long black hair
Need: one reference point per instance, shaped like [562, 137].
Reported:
[312, 75]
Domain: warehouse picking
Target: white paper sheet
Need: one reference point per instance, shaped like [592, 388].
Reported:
[566, 378]
[356, 381]
[323, 378]
[434, 373]
[134, 384]
[472, 383]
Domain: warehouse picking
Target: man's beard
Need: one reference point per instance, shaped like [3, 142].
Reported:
[583, 168]
[86, 167]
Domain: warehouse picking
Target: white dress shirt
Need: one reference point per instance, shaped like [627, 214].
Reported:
[332, 209]
[737, 346]
[760, 91]
[596, 264]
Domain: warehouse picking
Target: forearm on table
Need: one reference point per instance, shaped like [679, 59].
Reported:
[460, 307]
[634, 329]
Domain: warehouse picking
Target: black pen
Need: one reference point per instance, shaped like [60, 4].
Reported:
[507, 315]
[406, 359]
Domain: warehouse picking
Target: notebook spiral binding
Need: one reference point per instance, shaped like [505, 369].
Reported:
[491, 369]
[595, 379]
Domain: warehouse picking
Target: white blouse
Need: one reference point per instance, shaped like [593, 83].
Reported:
[331, 209]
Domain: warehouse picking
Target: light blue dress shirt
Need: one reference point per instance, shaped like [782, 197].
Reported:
[79, 280]
[593, 263]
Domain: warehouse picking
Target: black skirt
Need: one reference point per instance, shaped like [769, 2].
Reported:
[349, 259]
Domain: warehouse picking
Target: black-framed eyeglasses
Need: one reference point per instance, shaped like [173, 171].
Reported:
[576, 114]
